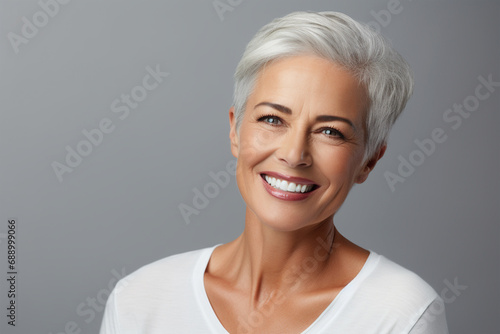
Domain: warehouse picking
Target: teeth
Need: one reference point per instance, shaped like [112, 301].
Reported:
[285, 186]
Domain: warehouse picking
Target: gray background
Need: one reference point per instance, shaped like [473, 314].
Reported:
[119, 209]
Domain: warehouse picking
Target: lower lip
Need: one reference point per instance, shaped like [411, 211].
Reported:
[285, 195]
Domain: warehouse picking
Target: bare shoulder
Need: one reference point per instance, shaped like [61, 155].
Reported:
[221, 259]
[348, 258]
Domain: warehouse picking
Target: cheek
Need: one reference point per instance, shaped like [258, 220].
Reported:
[340, 165]
[254, 143]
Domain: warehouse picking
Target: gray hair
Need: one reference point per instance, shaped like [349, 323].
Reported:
[336, 37]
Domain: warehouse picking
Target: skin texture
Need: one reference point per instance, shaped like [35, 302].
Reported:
[290, 262]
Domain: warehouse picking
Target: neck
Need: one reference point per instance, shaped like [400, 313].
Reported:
[272, 261]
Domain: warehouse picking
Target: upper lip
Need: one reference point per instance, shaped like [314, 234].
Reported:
[288, 178]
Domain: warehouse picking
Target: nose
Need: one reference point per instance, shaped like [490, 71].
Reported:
[294, 149]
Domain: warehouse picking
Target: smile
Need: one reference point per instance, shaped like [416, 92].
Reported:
[287, 186]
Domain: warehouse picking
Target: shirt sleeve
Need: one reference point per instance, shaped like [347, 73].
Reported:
[433, 320]
[109, 323]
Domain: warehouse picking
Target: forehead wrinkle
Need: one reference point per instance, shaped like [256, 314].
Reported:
[280, 79]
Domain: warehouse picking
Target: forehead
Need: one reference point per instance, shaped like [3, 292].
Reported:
[312, 84]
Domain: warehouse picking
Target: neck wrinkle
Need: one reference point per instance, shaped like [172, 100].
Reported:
[273, 262]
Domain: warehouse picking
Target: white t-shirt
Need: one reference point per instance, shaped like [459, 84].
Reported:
[168, 296]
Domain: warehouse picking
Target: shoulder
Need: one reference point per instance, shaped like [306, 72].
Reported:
[399, 277]
[159, 295]
[387, 298]
[398, 295]
[172, 273]
[397, 284]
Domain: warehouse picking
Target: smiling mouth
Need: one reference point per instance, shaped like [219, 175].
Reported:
[291, 187]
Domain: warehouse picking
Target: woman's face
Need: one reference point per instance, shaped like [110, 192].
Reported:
[303, 124]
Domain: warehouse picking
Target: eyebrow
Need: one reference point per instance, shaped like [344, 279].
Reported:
[320, 118]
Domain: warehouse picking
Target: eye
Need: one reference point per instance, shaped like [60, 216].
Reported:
[332, 132]
[270, 119]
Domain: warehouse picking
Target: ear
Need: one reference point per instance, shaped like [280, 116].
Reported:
[233, 135]
[370, 164]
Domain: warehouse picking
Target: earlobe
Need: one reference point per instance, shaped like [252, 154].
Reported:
[233, 136]
[370, 164]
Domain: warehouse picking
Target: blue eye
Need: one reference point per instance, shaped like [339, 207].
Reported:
[270, 119]
[332, 132]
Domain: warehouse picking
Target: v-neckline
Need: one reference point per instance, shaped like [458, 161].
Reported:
[327, 315]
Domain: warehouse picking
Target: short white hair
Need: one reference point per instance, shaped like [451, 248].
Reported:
[336, 37]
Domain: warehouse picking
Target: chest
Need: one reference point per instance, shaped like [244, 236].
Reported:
[282, 311]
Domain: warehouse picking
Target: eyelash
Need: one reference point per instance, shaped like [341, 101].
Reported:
[334, 130]
[263, 118]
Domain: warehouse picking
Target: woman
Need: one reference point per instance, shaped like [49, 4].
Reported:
[315, 97]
